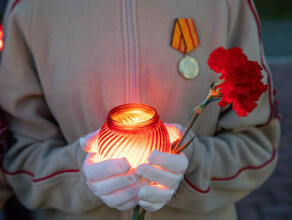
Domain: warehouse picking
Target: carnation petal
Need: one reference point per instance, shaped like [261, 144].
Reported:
[243, 108]
[217, 59]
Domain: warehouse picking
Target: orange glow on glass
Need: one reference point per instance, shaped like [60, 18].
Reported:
[132, 131]
[173, 132]
[158, 185]
[1, 38]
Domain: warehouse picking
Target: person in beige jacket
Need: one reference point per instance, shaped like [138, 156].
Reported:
[66, 63]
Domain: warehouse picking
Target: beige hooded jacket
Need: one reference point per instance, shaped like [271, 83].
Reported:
[66, 63]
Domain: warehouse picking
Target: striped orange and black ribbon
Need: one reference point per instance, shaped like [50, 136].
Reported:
[185, 37]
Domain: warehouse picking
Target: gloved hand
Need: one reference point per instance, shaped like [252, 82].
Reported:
[165, 171]
[112, 180]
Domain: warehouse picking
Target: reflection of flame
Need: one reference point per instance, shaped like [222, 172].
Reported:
[173, 132]
[1, 38]
[95, 158]
[132, 116]
[158, 185]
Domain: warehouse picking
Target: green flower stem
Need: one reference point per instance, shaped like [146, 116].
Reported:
[179, 148]
[137, 214]
[210, 98]
[142, 214]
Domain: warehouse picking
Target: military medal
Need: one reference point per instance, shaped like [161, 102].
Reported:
[185, 39]
[188, 67]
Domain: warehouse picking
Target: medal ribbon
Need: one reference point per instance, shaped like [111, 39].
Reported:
[185, 37]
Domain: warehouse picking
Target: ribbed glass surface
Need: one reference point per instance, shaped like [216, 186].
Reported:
[132, 131]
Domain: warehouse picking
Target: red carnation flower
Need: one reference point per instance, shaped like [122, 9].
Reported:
[242, 84]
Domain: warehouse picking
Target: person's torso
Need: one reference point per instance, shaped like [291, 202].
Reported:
[94, 55]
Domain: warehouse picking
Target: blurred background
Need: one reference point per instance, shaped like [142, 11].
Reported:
[273, 201]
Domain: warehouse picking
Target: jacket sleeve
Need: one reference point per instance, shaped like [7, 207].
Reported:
[241, 156]
[41, 167]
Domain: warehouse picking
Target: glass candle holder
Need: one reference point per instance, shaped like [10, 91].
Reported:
[132, 131]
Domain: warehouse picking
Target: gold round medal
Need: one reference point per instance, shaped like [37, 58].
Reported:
[188, 67]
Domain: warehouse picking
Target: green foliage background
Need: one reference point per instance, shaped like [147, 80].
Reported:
[274, 9]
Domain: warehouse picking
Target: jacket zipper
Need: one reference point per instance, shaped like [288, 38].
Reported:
[132, 53]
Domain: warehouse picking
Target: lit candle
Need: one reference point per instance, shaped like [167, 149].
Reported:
[132, 131]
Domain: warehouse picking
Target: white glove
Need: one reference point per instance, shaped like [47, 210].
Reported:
[165, 171]
[112, 180]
